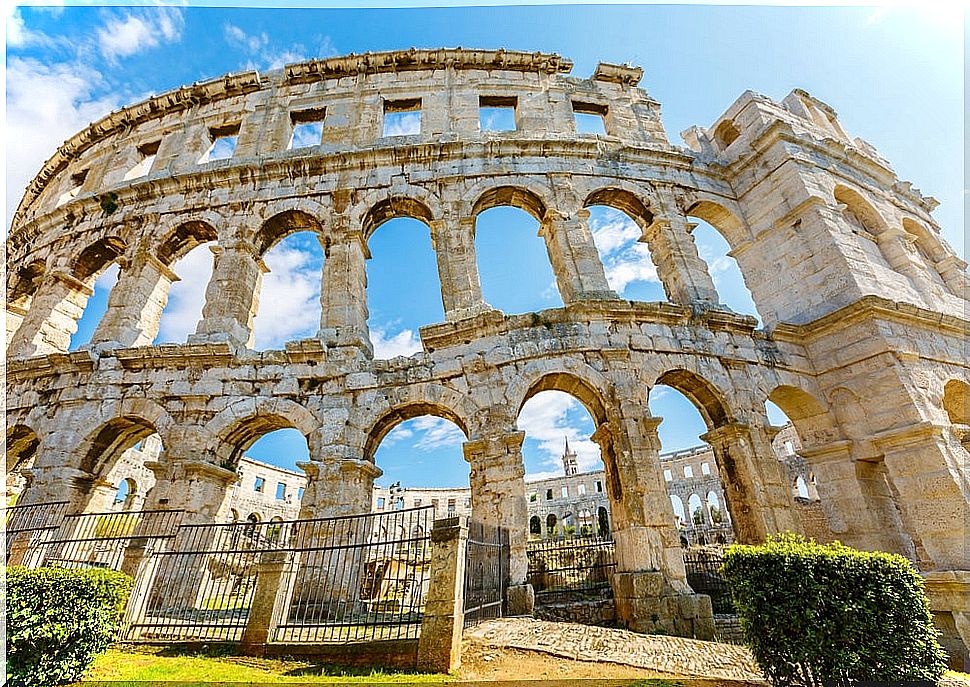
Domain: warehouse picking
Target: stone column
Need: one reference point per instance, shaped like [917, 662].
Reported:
[232, 296]
[846, 500]
[52, 319]
[343, 298]
[328, 580]
[461, 288]
[650, 584]
[681, 270]
[953, 270]
[271, 600]
[755, 488]
[498, 498]
[931, 484]
[136, 303]
[575, 260]
[439, 648]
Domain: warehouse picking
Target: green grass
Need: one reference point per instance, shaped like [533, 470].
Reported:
[172, 664]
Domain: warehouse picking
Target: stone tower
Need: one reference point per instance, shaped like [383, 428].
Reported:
[569, 463]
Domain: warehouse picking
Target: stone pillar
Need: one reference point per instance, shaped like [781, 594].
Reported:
[328, 580]
[953, 270]
[15, 314]
[575, 260]
[896, 245]
[756, 490]
[52, 319]
[650, 583]
[949, 596]
[498, 498]
[931, 486]
[848, 503]
[343, 298]
[461, 288]
[232, 295]
[439, 648]
[681, 270]
[136, 303]
[271, 600]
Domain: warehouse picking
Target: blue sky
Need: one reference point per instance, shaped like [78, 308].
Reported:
[893, 74]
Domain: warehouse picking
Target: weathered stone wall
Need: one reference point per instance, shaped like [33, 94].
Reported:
[862, 300]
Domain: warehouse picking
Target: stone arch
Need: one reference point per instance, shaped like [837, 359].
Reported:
[535, 525]
[522, 195]
[726, 222]
[726, 133]
[710, 402]
[181, 239]
[104, 445]
[96, 257]
[623, 200]
[678, 507]
[956, 401]
[393, 207]
[241, 424]
[870, 218]
[576, 383]
[409, 410]
[282, 224]
[811, 418]
[24, 283]
[925, 239]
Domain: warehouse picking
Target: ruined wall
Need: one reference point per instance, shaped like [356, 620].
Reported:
[862, 300]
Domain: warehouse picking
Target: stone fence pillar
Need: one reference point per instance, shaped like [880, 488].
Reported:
[232, 295]
[343, 298]
[271, 599]
[498, 498]
[439, 648]
[461, 287]
[575, 260]
[949, 595]
[136, 303]
[52, 319]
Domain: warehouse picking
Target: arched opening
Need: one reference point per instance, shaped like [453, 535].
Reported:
[265, 452]
[617, 220]
[401, 252]
[22, 285]
[419, 449]
[535, 526]
[126, 495]
[253, 518]
[726, 133]
[716, 233]
[696, 508]
[96, 268]
[680, 515]
[552, 529]
[800, 488]
[513, 260]
[603, 521]
[714, 510]
[187, 252]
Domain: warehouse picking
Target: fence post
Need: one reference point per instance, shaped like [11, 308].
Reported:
[263, 613]
[439, 648]
[141, 593]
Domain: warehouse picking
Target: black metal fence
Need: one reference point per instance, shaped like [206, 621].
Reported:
[28, 527]
[569, 570]
[486, 572]
[102, 540]
[335, 580]
[704, 577]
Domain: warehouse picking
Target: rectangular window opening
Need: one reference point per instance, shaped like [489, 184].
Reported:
[280, 491]
[582, 489]
[299, 493]
[259, 484]
[146, 153]
[590, 118]
[496, 113]
[223, 145]
[668, 476]
[307, 128]
[380, 503]
[565, 492]
[548, 494]
[77, 181]
[402, 117]
[599, 487]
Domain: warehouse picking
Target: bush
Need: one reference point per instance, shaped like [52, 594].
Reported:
[814, 613]
[59, 620]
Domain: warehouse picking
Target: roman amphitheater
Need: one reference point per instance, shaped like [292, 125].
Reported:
[864, 306]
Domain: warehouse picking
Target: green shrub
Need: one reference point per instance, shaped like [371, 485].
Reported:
[59, 620]
[814, 613]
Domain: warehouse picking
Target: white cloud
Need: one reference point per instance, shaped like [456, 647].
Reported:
[387, 346]
[186, 298]
[625, 259]
[545, 418]
[235, 36]
[46, 104]
[261, 55]
[131, 33]
[289, 302]
[436, 432]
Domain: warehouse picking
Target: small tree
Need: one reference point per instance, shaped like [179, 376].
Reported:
[815, 614]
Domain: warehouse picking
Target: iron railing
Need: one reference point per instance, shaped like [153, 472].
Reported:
[334, 580]
[704, 577]
[569, 570]
[486, 572]
[102, 540]
[28, 528]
